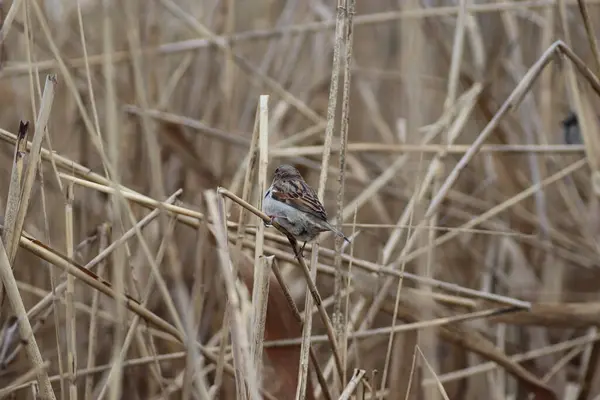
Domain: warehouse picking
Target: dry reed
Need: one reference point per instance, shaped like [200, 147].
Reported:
[431, 132]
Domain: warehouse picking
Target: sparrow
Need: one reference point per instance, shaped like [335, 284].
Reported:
[294, 205]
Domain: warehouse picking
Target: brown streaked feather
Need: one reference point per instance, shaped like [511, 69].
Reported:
[296, 193]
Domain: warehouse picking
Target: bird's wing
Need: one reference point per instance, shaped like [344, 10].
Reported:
[298, 194]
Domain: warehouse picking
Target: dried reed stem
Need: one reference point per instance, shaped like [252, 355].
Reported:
[312, 277]
[14, 224]
[93, 333]
[71, 322]
[16, 177]
[8, 20]
[339, 314]
[15, 385]
[244, 370]
[25, 331]
[259, 315]
[262, 265]
[352, 385]
[298, 317]
[14, 190]
[589, 30]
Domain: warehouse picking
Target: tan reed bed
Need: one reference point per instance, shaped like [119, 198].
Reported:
[135, 260]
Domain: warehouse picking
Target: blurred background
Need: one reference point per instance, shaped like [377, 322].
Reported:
[169, 90]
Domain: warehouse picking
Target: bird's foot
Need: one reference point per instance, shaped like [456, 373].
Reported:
[302, 249]
[270, 223]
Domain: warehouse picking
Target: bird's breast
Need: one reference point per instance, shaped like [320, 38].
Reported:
[277, 208]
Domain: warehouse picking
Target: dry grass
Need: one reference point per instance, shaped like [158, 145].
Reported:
[133, 239]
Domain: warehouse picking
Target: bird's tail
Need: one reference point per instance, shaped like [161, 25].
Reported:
[337, 232]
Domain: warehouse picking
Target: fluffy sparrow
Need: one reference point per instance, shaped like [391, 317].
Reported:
[294, 205]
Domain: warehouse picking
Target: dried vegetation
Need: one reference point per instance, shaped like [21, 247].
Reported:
[138, 137]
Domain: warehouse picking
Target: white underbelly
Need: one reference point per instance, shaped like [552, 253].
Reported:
[298, 223]
[273, 207]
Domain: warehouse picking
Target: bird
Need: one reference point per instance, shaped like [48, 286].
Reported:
[571, 131]
[295, 206]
